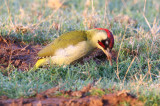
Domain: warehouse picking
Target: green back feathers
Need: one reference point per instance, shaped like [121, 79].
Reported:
[66, 39]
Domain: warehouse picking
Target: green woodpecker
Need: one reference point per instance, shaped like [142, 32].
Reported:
[73, 45]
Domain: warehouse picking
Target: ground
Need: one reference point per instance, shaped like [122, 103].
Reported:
[75, 98]
[23, 57]
[26, 26]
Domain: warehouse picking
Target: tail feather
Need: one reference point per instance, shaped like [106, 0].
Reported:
[39, 63]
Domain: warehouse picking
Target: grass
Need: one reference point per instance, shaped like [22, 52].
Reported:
[138, 59]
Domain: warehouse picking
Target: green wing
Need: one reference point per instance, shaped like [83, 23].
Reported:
[66, 39]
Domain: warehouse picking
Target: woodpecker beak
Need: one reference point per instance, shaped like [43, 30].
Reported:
[109, 55]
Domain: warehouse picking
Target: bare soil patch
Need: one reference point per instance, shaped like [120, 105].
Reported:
[74, 98]
[17, 54]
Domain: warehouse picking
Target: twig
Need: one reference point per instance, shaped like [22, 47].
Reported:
[24, 48]
[4, 40]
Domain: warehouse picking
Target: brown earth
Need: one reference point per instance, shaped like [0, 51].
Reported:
[74, 98]
[15, 54]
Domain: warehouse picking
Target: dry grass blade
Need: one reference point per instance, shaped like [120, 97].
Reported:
[117, 72]
[10, 16]
[147, 23]
[149, 69]
[128, 68]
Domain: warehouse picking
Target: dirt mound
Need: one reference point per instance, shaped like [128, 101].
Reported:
[75, 98]
[17, 54]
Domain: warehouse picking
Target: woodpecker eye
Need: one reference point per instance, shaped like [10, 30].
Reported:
[106, 42]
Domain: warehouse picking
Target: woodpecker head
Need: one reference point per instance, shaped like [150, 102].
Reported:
[104, 40]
